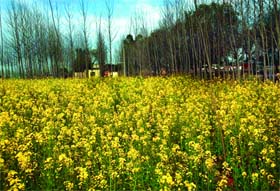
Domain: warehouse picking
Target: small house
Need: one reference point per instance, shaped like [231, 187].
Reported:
[94, 71]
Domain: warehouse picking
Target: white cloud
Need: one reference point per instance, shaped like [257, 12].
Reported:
[151, 13]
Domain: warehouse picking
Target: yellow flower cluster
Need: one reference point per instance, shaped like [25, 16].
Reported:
[154, 133]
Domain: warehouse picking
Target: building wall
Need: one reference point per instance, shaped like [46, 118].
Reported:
[80, 75]
[94, 73]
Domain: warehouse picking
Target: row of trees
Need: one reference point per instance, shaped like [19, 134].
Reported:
[236, 37]
[45, 42]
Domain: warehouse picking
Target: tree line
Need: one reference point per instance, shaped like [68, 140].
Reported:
[35, 43]
[235, 38]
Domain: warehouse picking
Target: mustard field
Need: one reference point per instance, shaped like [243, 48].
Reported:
[154, 133]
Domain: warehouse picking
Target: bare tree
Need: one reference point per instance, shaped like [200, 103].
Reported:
[111, 36]
[2, 45]
[167, 23]
[40, 43]
[140, 31]
[27, 28]
[277, 27]
[15, 37]
[85, 30]
[71, 52]
[263, 36]
[56, 44]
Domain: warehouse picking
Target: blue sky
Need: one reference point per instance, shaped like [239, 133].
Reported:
[124, 13]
